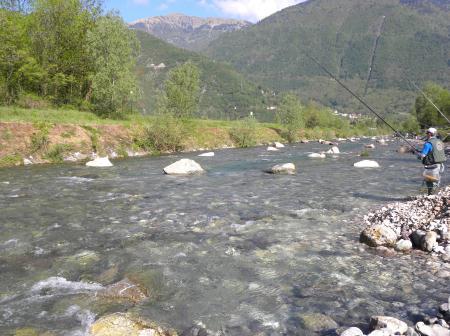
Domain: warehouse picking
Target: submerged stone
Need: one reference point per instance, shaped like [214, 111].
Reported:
[125, 289]
[120, 324]
[390, 324]
[317, 322]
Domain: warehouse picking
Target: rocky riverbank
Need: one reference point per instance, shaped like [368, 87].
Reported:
[422, 223]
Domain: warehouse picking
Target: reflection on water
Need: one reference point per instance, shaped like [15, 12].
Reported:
[236, 249]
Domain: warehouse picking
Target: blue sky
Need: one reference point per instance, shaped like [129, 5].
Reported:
[252, 10]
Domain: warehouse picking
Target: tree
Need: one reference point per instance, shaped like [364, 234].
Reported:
[426, 113]
[113, 49]
[290, 115]
[58, 30]
[182, 89]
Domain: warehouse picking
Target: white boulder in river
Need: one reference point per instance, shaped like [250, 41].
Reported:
[272, 149]
[183, 167]
[366, 164]
[278, 145]
[209, 154]
[100, 162]
[333, 150]
[317, 155]
[286, 168]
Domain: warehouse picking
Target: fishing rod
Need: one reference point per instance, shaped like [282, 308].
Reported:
[362, 101]
[429, 100]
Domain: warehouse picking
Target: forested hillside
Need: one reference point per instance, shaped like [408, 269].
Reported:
[225, 94]
[374, 45]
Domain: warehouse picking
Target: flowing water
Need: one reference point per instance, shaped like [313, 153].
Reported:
[236, 249]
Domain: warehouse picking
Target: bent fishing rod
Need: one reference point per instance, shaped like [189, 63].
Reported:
[429, 100]
[361, 101]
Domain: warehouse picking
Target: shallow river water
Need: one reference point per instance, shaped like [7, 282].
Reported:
[236, 249]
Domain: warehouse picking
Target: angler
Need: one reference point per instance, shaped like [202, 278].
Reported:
[433, 158]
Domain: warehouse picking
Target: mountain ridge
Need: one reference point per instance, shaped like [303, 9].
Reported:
[188, 32]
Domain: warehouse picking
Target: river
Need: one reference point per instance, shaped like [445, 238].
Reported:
[235, 249]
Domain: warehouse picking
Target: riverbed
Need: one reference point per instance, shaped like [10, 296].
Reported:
[235, 249]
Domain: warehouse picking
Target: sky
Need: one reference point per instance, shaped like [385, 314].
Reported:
[251, 10]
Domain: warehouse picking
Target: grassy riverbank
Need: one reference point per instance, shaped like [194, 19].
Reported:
[54, 136]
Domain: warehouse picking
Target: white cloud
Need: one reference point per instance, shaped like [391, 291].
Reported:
[253, 10]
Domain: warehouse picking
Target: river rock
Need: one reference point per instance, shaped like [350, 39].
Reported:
[380, 332]
[125, 289]
[286, 168]
[272, 149]
[434, 330]
[317, 322]
[27, 162]
[379, 235]
[333, 150]
[366, 164]
[353, 331]
[120, 324]
[209, 154]
[100, 162]
[371, 146]
[184, 167]
[196, 331]
[429, 240]
[417, 238]
[391, 324]
[403, 245]
[317, 155]
[411, 332]
[278, 145]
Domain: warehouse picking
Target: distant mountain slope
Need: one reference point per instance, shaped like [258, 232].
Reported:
[226, 94]
[375, 45]
[189, 32]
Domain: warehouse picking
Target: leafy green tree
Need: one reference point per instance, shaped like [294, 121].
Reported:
[182, 89]
[426, 113]
[19, 70]
[58, 31]
[290, 114]
[113, 49]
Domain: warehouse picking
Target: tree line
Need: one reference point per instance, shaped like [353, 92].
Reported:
[67, 52]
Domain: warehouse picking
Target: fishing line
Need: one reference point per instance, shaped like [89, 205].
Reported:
[362, 101]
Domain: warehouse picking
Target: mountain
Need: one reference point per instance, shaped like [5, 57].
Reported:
[189, 32]
[374, 46]
[225, 94]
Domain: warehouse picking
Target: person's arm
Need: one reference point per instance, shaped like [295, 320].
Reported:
[427, 148]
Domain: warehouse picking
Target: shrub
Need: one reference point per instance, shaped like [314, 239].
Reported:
[165, 134]
[32, 101]
[244, 133]
[56, 153]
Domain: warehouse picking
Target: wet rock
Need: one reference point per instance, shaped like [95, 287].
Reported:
[379, 235]
[286, 168]
[411, 332]
[100, 162]
[317, 322]
[390, 324]
[353, 331]
[380, 332]
[195, 331]
[272, 149]
[125, 289]
[278, 145]
[429, 240]
[385, 251]
[417, 238]
[443, 274]
[183, 167]
[371, 146]
[366, 164]
[209, 154]
[27, 162]
[119, 324]
[317, 155]
[403, 245]
[444, 308]
[334, 150]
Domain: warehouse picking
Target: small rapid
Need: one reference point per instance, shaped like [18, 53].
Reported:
[235, 249]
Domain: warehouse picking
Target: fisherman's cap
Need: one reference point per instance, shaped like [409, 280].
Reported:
[432, 130]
